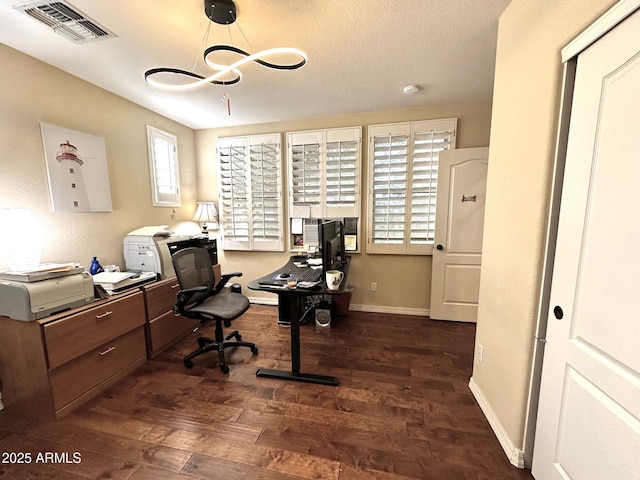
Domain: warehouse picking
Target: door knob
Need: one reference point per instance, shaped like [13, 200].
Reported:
[557, 311]
[439, 247]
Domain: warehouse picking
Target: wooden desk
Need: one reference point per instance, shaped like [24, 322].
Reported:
[50, 366]
[288, 303]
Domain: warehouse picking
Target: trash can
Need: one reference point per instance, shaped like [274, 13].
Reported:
[236, 288]
[342, 301]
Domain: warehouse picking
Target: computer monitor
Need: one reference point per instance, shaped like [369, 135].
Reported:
[332, 244]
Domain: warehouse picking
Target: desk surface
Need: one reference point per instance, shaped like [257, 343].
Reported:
[290, 267]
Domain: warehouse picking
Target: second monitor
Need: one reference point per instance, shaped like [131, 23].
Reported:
[331, 239]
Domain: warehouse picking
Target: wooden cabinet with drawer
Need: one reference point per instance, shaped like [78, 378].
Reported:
[50, 366]
[164, 328]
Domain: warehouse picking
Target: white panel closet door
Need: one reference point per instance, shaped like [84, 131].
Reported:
[589, 412]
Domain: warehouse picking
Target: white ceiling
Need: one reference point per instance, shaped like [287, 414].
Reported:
[361, 54]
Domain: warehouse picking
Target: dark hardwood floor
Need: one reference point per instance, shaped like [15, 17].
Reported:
[403, 410]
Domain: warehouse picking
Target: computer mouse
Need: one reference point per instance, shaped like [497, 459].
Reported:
[285, 275]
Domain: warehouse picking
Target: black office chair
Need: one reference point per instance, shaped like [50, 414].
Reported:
[201, 298]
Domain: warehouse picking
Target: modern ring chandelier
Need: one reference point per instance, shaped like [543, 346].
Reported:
[222, 12]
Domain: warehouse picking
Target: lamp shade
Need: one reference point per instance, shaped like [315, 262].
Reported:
[206, 212]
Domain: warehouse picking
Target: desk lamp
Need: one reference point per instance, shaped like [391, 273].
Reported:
[206, 212]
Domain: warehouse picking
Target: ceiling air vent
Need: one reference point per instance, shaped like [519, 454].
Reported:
[66, 20]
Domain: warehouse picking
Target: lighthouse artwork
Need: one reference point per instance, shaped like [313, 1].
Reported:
[71, 190]
[77, 169]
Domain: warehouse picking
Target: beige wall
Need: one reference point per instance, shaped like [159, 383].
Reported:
[525, 109]
[404, 282]
[33, 92]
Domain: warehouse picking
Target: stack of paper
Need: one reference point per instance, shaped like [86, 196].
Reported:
[111, 280]
[44, 271]
[119, 281]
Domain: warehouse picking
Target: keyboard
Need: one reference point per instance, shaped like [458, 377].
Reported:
[273, 283]
[309, 275]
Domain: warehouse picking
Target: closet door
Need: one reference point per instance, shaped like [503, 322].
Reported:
[589, 410]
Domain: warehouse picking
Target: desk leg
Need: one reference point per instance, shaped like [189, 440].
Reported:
[294, 374]
[294, 318]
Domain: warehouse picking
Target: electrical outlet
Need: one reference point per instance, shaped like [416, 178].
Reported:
[374, 287]
[480, 352]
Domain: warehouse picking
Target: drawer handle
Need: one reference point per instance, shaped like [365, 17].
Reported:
[108, 350]
[175, 286]
[105, 314]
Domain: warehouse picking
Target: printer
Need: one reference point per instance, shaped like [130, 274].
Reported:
[32, 300]
[149, 249]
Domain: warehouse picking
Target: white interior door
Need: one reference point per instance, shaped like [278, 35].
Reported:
[455, 278]
[588, 424]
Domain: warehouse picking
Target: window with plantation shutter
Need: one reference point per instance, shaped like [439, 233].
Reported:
[324, 172]
[163, 165]
[305, 174]
[403, 178]
[342, 162]
[250, 193]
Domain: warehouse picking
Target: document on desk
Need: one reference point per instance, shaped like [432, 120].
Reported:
[110, 280]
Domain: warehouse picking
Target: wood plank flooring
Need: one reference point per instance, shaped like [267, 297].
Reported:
[402, 411]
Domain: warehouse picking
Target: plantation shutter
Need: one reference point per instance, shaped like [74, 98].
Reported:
[250, 189]
[342, 172]
[324, 171]
[305, 170]
[427, 145]
[266, 192]
[388, 173]
[403, 176]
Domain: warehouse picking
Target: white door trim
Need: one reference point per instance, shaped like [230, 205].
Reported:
[597, 29]
[615, 15]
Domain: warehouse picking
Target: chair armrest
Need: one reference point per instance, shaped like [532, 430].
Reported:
[224, 279]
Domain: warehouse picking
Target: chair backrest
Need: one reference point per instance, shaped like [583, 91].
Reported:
[194, 269]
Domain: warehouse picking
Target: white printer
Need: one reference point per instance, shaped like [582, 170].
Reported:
[25, 299]
[146, 249]
[149, 249]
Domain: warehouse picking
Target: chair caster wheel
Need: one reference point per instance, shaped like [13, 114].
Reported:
[224, 368]
[254, 350]
[188, 363]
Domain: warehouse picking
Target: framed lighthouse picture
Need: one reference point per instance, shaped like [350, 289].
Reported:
[77, 170]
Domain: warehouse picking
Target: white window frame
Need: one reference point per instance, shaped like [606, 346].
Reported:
[258, 197]
[413, 182]
[164, 168]
[330, 195]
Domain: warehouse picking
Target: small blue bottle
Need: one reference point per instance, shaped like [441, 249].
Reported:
[95, 266]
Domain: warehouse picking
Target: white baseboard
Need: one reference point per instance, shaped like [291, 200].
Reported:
[264, 301]
[515, 455]
[421, 312]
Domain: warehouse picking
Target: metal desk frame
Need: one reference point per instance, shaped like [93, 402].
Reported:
[288, 302]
